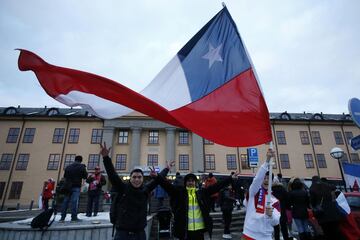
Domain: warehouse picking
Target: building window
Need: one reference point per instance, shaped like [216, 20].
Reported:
[152, 160]
[244, 161]
[74, 135]
[15, 190]
[338, 138]
[123, 137]
[5, 161]
[183, 162]
[231, 161]
[183, 137]
[208, 142]
[96, 136]
[2, 187]
[154, 137]
[344, 158]
[29, 135]
[53, 163]
[22, 161]
[284, 161]
[348, 136]
[58, 135]
[69, 159]
[321, 160]
[13, 135]
[209, 162]
[309, 162]
[120, 163]
[304, 137]
[94, 161]
[355, 157]
[280, 136]
[315, 135]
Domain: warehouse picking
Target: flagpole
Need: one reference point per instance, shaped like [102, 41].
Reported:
[268, 199]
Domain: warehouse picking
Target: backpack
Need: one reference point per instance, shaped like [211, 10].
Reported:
[42, 221]
[116, 199]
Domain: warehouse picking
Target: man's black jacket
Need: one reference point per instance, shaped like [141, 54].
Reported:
[75, 172]
[131, 210]
[180, 204]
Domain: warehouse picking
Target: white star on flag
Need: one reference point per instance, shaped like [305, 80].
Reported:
[213, 55]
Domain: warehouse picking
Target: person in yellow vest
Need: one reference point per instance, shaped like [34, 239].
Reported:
[191, 206]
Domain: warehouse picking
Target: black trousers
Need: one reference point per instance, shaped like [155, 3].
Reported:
[212, 203]
[332, 231]
[227, 217]
[284, 228]
[194, 235]
[125, 235]
[45, 203]
[93, 200]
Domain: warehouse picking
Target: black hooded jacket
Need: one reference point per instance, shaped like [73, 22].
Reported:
[179, 204]
[75, 172]
[131, 209]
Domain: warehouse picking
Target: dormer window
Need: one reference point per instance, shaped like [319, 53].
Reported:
[10, 111]
[318, 116]
[285, 116]
[53, 111]
[348, 117]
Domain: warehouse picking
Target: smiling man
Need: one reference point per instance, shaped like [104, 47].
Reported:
[131, 209]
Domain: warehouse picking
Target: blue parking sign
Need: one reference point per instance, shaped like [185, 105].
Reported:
[253, 157]
[355, 143]
[354, 109]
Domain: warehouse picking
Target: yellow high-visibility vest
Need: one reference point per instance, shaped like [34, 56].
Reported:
[195, 218]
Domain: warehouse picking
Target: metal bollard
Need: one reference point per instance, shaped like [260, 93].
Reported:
[31, 204]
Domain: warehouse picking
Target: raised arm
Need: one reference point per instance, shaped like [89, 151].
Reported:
[260, 175]
[164, 183]
[151, 185]
[109, 167]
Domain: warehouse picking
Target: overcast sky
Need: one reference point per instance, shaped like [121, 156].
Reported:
[306, 53]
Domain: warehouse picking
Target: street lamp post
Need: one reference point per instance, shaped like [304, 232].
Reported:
[338, 153]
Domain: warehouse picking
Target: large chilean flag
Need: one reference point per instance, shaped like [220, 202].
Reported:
[208, 87]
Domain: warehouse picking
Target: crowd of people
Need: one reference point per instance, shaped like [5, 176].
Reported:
[314, 211]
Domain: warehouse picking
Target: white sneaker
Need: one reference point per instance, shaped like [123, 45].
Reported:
[227, 236]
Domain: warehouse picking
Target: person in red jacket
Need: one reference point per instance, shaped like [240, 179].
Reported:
[211, 180]
[48, 192]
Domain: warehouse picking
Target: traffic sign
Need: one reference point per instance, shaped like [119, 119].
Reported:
[354, 110]
[355, 143]
[253, 157]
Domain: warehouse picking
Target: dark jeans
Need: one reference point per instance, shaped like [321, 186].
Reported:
[283, 227]
[74, 198]
[93, 200]
[45, 203]
[227, 217]
[126, 235]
